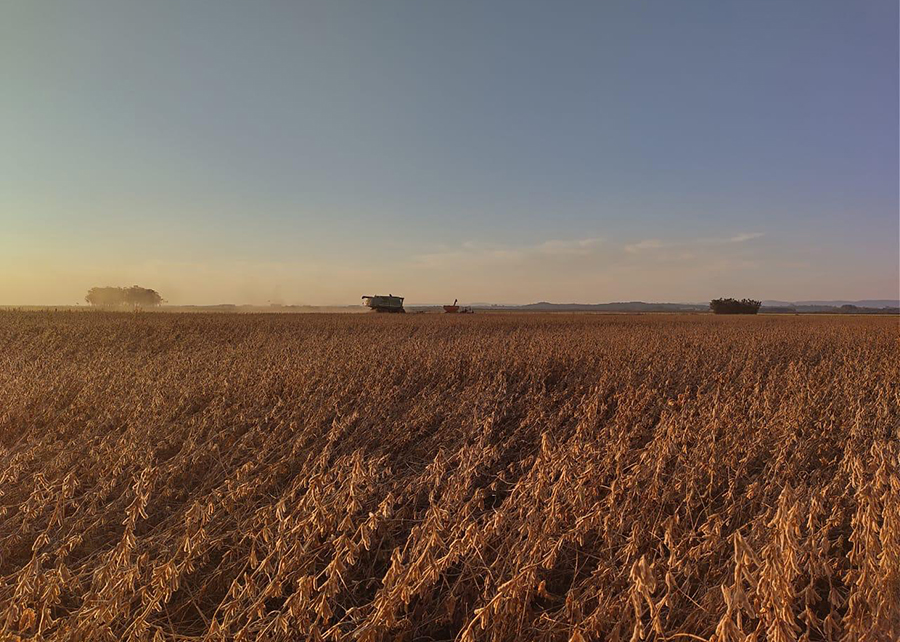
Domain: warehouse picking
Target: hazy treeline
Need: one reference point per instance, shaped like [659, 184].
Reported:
[111, 296]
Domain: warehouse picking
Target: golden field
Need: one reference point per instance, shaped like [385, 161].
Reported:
[428, 477]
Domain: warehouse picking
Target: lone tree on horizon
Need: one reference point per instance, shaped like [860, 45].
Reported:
[134, 296]
[733, 306]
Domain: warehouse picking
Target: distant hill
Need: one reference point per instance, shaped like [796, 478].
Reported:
[771, 307]
[870, 306]
[619, 306]
[629, 306]
[866, 303]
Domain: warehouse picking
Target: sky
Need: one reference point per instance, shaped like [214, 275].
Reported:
[314, 152]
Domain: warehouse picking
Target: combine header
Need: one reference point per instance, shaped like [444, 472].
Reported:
[381, 303]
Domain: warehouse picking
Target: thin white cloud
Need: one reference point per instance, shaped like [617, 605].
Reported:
[746, 236]
[657, 244]
[579, 247]
[471, 252]
[646, 244]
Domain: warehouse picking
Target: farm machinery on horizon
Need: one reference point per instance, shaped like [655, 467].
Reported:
[394, 305]
[380, 303]
[456, 309]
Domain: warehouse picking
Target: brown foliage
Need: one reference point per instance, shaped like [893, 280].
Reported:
[509, 477]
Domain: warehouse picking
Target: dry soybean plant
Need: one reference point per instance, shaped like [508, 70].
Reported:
[479, 478]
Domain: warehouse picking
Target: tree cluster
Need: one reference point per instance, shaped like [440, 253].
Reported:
[734, 306]
[133, 296]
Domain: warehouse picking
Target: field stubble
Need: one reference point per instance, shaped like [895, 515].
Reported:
[508, 477]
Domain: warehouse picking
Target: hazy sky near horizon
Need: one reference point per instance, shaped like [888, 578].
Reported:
[313, 152]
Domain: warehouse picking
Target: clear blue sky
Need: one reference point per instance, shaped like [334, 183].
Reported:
[312, 152]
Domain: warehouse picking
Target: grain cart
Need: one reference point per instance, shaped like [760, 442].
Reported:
[381, 303]
[455, 309]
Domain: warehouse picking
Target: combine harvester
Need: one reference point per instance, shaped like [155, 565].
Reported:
[381, 303]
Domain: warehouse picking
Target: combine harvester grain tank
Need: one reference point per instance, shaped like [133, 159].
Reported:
[382, 303]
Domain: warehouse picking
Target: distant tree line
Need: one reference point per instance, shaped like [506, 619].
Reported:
[734, 306]
[133, 296]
